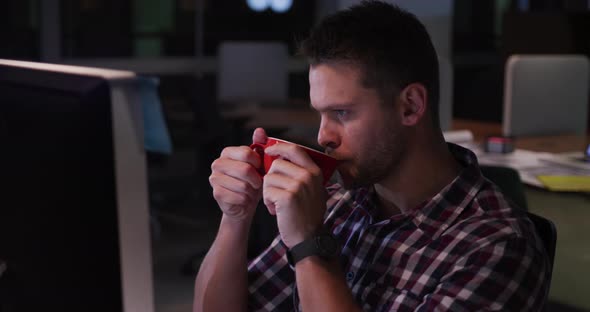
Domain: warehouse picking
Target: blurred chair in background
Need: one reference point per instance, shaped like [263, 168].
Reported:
[509, 182]
[545, 95]
[252, 72]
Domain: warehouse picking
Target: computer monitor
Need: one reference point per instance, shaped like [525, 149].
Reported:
[74, 219]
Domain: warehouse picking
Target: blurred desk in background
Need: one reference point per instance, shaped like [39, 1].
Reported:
[550, 143]
[273, 118]
[553, 161]
[298, 122]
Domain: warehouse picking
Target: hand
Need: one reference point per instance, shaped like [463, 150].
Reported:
[293, 189]
[237, 186]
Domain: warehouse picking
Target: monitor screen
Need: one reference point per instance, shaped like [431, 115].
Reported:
[74, 232]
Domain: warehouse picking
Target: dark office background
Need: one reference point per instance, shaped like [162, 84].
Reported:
[483, 34]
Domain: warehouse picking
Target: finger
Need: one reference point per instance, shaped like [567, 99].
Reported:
[272, 197]
[229, 197]
[280, 181]
[239, 170]
[293, 153]
[271, 208]
[243, 154]
[259, 136]
[232, 184]
[294, 171]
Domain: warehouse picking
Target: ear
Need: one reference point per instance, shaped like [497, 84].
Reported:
[413, 100]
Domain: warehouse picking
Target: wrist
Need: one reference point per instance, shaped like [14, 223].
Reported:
[322, 245]
[238, 227]
[308, 234]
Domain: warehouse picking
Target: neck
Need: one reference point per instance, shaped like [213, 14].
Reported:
[424, 170]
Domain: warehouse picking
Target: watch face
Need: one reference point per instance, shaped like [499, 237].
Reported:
[328, 245]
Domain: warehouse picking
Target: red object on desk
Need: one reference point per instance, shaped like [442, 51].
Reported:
[499, 144]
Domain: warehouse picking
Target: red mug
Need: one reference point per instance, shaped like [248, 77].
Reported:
[326, 162]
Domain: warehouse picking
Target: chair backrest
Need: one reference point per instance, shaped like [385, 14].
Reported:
[545, 94]
[252, 71]
[508, 180]
[547, 233]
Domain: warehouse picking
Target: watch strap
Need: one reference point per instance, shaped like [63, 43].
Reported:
[314, 246]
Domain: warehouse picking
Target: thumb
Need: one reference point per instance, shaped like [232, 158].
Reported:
[259, 136]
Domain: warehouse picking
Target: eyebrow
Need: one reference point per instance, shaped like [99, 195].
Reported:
[333, 106]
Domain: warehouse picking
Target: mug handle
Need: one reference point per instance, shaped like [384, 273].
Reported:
[259, 149]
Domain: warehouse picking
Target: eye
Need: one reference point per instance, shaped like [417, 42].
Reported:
[341, 113]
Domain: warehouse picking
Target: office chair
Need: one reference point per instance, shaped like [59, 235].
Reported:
[508, 180]
[545, 94]
[548, 234]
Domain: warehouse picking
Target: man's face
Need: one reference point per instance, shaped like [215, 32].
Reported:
[356, 127]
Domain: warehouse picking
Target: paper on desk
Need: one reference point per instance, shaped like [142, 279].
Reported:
[566, 183]
[575, 160]
[529, 164]
[458, 136]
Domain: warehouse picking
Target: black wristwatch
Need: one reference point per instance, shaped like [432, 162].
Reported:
[323, 245]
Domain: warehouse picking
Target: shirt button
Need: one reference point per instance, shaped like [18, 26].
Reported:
[349, 276]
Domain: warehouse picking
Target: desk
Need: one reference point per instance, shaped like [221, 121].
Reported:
[273, 118]
[255, 116]
[299, 124]
[551, 144]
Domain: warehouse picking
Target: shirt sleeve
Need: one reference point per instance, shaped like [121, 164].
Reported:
[511, 275]
[271, 280]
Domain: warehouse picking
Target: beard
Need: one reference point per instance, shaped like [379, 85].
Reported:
[375, 161]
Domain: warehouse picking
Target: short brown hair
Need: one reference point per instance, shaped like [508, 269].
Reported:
[389, 44]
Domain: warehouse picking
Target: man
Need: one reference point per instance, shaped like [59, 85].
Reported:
[413, 224]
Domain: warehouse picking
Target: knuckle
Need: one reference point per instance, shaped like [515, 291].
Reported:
[226, 151]
[217, 193]
[316, 173]
[215, 164]
[307, 177]
[292, 148]
[290, 195]
[295, 187]
[243, 185]
[244, 169]
[243, 152]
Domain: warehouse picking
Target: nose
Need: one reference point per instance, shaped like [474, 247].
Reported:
[328, 136]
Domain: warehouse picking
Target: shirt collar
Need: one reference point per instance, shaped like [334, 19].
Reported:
[435, 215]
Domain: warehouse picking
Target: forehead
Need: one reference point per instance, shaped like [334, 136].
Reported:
[335, 83]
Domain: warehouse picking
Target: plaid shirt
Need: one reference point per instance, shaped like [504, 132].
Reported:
[465, 249]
